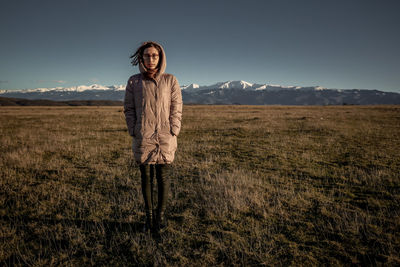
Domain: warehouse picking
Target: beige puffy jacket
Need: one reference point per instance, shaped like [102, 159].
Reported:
[153, 112]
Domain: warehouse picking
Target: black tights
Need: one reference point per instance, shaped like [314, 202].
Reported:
[147, 175]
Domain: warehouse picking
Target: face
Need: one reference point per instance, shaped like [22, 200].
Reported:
[150, 58]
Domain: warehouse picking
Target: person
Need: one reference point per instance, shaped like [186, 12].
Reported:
[153, 112]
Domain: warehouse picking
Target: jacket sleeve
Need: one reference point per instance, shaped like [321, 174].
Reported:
[176, 108]
[129, 108]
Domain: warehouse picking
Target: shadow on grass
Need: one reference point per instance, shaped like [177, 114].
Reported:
[110, 227]
[76, 237]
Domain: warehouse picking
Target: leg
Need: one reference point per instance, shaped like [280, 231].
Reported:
[162, 175]
[147, 172]
[152, 170]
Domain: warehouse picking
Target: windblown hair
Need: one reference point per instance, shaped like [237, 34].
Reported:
[138, 56]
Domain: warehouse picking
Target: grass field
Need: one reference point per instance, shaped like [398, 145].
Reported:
[251, 186]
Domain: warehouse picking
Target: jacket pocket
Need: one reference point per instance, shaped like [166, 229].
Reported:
[168, 142]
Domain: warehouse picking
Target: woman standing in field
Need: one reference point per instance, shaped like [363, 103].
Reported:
[153, 111]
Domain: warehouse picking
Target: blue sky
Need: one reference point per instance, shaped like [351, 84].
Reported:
[334, 44]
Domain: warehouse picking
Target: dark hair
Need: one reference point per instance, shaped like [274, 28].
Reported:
[138, 56]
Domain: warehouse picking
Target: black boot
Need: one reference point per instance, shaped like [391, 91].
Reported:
[148, 226]
[147, 174]
[162, 175]
[161, 221]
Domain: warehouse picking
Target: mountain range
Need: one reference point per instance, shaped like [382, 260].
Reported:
[230, 92]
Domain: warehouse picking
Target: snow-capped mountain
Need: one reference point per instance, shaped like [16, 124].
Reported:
[190, 86]
[232, 85]
[229, 92]
[82, 92]
[242, 92]
[247, 86]
[81, 88]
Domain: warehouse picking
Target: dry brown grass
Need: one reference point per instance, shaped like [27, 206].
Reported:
[252, 185]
